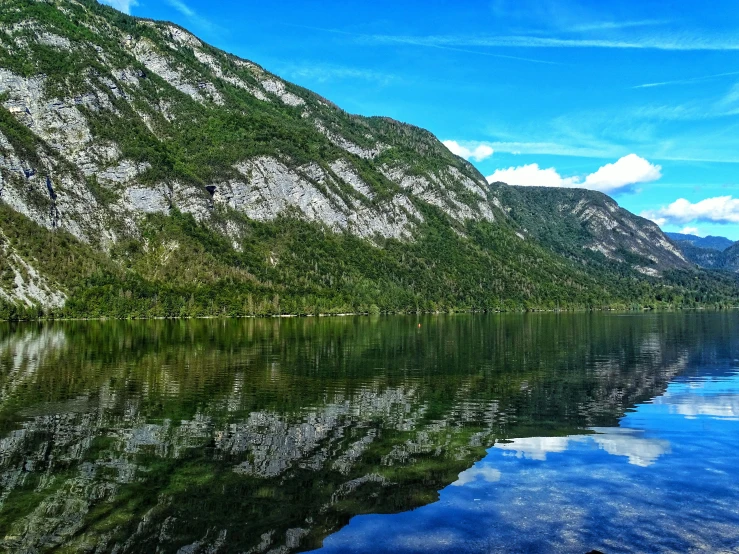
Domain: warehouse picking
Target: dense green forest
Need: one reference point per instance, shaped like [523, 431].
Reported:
[183, 269]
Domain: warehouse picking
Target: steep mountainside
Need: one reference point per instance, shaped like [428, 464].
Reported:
[709, 258]
[579, 223]
[709, 252]
[145, 173]
[709, 242]
[731, 258]
[727, 260]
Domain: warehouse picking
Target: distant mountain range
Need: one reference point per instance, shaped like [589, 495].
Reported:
[711, 242]
[144, 173]
[708, 252]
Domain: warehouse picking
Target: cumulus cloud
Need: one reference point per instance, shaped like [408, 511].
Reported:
[639, 450]
[121, 5]
[689, 231]
[617, 441]
[628, 171]
[536, 448]
[531, 175]
[478, 472]
[720, 209]
[479, 153]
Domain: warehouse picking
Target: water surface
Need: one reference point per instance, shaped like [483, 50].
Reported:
[466, 434]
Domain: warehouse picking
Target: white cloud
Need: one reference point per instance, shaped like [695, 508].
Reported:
[617, 441]
[689, 231]
[717, 406]
[641, 41]
[536, 448]
[626, 172]
[720, 209]
[324, 73]
[479, 153]
[483, 472]
[121, 5]
[629, 170]
[687, 81]
[639, 450]
[531, 175]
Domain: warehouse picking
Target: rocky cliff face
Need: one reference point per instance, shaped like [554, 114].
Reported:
[157, 72]
[106, 120]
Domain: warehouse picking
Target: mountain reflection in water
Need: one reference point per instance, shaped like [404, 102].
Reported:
[470, 433]
[572, 494]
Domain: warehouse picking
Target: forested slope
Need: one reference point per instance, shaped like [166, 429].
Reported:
[145, 173]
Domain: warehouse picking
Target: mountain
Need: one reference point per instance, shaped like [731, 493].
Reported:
[146, 173]
[586, 226]
[708, 258]
[708, 252]
[731, 258]
[709, 242]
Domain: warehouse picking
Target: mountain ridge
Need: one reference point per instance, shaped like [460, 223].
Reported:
[709, 242]
[183, 181]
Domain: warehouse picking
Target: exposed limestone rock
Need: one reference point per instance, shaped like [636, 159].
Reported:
[147, 200]
[180, 36]
[346, 172]
[341, 142]
[278, 89]
[215, 67]
[29, 286]
[614, 231]
[147, 53]
[50, 39]
[58, 122]
[127, 76]
[271, 188]
[652, 272]
[125, 171]
[192, 200]
[432, 190]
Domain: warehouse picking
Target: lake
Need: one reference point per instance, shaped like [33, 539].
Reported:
[403, 434]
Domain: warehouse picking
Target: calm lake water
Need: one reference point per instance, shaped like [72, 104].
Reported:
[513, 433]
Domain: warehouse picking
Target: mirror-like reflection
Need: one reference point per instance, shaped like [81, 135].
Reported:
[271, 435]
[675, 488]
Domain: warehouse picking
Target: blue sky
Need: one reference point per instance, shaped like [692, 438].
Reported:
[637, 98]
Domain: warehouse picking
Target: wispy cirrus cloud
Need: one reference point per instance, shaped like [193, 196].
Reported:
[687, 81]
[418, 41]
[550, 148]
[612, 25]
[121, 5]
[322, 73]
[680, 42]
[181, 7]
[193, 16]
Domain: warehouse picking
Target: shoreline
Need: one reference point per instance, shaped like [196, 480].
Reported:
[367, 314]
